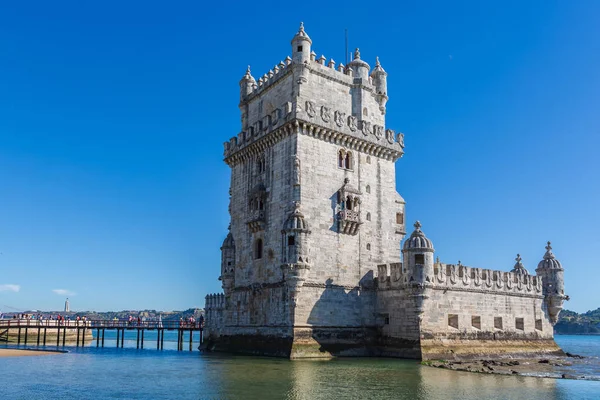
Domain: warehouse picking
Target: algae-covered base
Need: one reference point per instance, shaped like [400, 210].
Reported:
[550, 367]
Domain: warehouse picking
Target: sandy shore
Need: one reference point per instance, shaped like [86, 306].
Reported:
[23, 352]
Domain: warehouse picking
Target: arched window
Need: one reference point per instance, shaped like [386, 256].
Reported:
[261, 164]
[349, 204]
[341, 158]
[368, 216]
[399, 218]
[260, 205]
[348, 161]
[369, 246]
[258, 249]
[368, 189]
[291, 240]
[365, 112]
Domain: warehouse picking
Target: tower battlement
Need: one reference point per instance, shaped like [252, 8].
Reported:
[322, 99]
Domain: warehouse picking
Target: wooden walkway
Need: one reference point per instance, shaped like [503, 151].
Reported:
[78, 330]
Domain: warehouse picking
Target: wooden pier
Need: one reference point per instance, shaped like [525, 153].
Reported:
[82, 332]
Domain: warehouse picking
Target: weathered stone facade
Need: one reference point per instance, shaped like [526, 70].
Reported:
[312, 267]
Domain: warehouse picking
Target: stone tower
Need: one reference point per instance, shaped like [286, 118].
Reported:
[313, 204]
[67, 307]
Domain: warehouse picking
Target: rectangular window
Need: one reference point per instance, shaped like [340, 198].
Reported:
[498, 322]
[419, 259]
[299, 48]
[538, 325]
[386, 320]
[476, 321]
[520, 324]
[453, 321]
[291, 240]
[399, 218]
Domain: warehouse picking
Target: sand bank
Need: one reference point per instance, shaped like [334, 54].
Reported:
[25, 352]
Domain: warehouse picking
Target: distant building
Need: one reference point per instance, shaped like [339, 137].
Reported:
[312, 265]
[67, 308]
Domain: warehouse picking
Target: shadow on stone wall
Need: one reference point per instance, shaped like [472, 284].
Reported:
[339, 326]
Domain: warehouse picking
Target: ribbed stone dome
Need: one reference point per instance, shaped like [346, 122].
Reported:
[519, 268]
[296, 221]
[301, 35]
[418, 240]
[228, 243]
[549, 261]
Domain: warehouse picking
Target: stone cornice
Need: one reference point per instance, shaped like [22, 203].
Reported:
[312, 129]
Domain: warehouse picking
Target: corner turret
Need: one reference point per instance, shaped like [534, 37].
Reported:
[418, 256]
[247, 84]
[227, 277]
[301, 46]
[553, 283]
[379, 77]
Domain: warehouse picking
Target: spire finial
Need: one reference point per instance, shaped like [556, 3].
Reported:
[518, 259]
[549, 254]
[417, 226]
[377, 64]
[301, 27]
[357, 54]
[549, 247]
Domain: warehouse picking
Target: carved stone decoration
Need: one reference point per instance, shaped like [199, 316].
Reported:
[352, 123]
[296, 171]
[310, 109]
[400, 139]
[389, 135]
[366, 127]
[339, 118]
[378, 131]
[325, 114]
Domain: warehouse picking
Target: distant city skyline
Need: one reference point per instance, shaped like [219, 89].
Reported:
[112, 119]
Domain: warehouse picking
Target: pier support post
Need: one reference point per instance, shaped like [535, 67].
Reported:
[64, 335]
[57, 337]
[191, 335]
[45, 336]
[77, 345]
[137, 346]
[118, 337]
[83, 337]
[162, 339]
[19, 337]
[143, 330]
[38, 338]
[122, 337]
[103, 329]
[26, 335]
[97, 337]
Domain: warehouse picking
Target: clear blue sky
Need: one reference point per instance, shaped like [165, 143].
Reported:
[113, 114]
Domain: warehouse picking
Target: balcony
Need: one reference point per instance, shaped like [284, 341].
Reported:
[349, 222]
[256, 220]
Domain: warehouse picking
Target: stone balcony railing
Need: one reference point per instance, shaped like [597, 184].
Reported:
[349, 221]
[256, 220]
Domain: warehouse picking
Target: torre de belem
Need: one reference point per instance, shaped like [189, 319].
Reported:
[312, 264]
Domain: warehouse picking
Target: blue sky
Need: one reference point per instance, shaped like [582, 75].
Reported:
[113, 114]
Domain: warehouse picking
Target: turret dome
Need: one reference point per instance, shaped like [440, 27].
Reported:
[549, 261]
[418, 240]
[228, 243]
[296, 221]
[301, 35]
[519, 268]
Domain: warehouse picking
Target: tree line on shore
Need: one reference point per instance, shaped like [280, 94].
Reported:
[571, 322]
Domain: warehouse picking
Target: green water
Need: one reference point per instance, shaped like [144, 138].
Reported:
[111, 373]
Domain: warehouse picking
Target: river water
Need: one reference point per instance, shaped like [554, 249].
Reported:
[111, 373]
